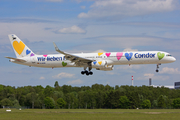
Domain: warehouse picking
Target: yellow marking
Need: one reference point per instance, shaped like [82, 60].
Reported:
[100, 54]
[100, 62]
[19, 47]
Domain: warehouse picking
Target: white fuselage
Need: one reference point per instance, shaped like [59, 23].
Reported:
[100, 59]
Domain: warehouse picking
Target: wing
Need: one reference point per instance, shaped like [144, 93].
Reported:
[16, 59]
[73, 58]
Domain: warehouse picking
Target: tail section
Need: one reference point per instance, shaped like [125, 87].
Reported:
[20, 49]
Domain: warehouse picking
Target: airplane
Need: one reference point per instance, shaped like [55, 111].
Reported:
[104, 61]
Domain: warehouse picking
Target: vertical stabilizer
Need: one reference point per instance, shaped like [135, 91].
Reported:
[20, 49]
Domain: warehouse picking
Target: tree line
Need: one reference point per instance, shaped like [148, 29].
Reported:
[86, 97]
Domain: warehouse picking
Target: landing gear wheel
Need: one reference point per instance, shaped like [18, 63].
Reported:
[90, 73]
[157, 70]
[82, 72]
[89, 70]
[87, 73]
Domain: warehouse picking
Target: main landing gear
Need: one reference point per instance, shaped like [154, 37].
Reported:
[87, 72]
[158, 67]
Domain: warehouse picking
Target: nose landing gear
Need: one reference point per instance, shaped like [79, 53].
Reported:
[157, 67]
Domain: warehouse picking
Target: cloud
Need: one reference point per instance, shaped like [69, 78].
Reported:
[153, 24]
[26, 20]
[99, 51]
[126, 67]
[130, 50]
[83, 7]
[124, 42]
[153, 77]
[149, 75]
[72, 30]
[133, 69]
[5, 48]
[42, 78]
[167, 70]
[75, 82]
[22, 71]
[54, 0]
[63, 75]
[129, 41]
[110, 73]
[36, 32]
[124, 8]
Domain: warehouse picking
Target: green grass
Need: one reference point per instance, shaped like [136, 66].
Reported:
[90, 114]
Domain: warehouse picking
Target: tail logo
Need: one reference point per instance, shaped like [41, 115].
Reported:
[28, 51]
[31, 55]
[19, 47]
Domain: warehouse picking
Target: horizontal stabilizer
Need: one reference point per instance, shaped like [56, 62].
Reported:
[16, 59]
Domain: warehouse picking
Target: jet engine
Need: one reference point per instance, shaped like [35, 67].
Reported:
[102, 65]
[106, 68]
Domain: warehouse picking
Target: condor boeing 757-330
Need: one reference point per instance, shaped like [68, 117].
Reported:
[100, 61]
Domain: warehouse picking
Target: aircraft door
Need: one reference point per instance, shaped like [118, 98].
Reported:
[33, 60]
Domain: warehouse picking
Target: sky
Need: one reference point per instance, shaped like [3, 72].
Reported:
[90, 26]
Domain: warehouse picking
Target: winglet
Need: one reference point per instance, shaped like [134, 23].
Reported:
[57, 49]
[55, 46]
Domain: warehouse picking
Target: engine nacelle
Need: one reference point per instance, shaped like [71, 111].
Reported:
[102, 65]
[106, 68]
[99, 64]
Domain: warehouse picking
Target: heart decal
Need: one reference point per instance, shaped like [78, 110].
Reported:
[94, 62]
[45, 55]
[160, 55]
[32, 54]
[100, 62]
[119, 55]
[64, 64]
[28, 51]
[19, 47]
[128, 56]
[108, 54]
[100, 54]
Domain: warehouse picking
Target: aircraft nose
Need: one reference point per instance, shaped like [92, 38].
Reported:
[173, 59]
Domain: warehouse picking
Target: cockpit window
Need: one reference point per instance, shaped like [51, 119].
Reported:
[168, 55]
